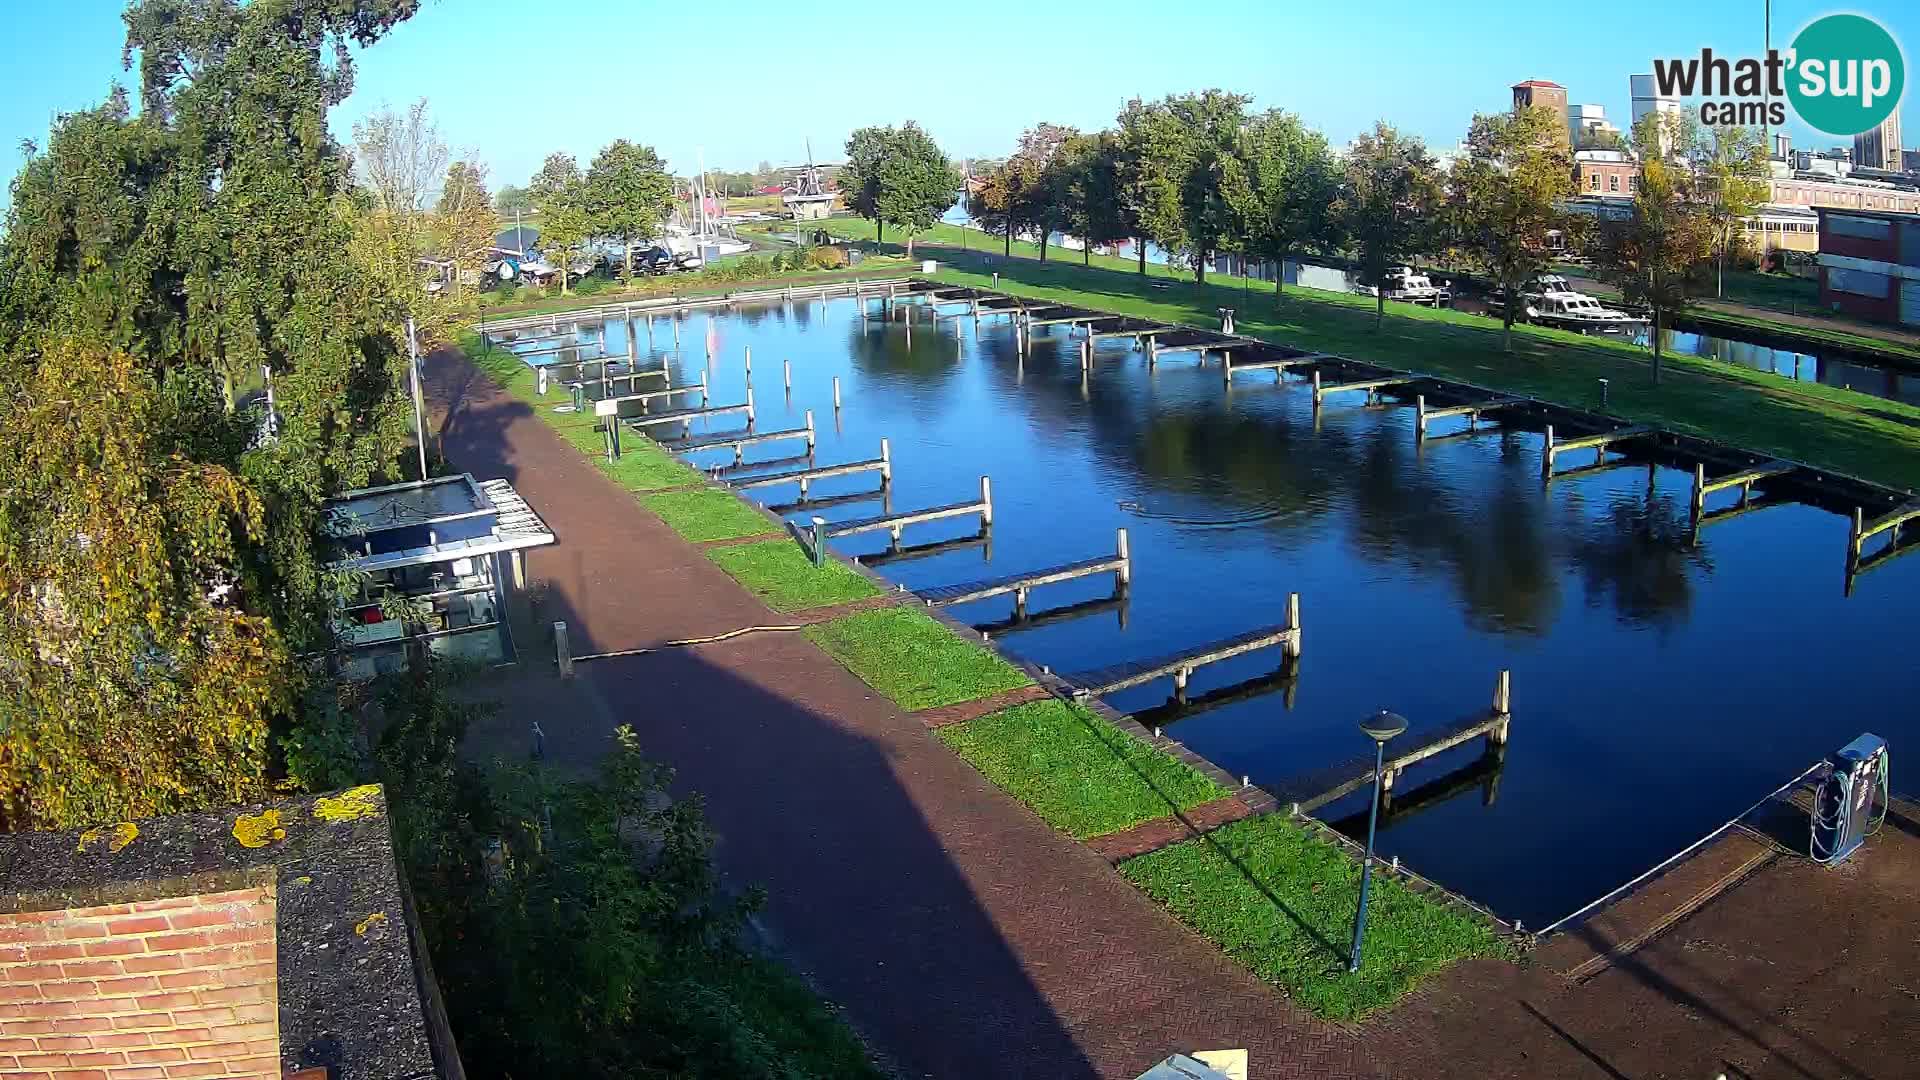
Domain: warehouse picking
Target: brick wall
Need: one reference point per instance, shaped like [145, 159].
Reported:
[166, 989]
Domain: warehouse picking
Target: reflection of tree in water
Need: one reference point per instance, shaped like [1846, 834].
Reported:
[883, 351]
[753, 314]
[1636, 553]
[1491, 529]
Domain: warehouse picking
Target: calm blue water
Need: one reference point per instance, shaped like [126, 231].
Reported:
[1659, 689]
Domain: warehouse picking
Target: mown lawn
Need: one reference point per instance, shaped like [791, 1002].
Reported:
[708, 514]
[1280, 901]
[1826, 426]
[914, 660]
[780, 574]
[1081, 774]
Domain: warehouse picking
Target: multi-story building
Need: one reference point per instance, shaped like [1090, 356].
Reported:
[1870, 264]
[1605, 172]
[1589, 126]
[1647, 99]
[1910, 161]
[1879, 146]
[1541, 94]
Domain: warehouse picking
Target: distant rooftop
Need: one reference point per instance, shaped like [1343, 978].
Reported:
[244, 942]
[437, 520]
[1539, 82]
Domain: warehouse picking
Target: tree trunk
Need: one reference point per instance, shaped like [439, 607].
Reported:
[910, 239]
[629, 279]
[1280, 272]
[879, 231]
[1086, 252]
[1140, 251]
[1720, 274]
[1656, 343]
[1200, 268]
[1043, 243]
[1506, 319]
[1379, 306]
[1009, 248]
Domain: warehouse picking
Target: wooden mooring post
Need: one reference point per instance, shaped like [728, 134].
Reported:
[1600, 444]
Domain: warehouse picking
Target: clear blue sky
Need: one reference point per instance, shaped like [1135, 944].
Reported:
[750, 81]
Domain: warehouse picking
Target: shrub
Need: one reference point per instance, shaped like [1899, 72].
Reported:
[826, 257]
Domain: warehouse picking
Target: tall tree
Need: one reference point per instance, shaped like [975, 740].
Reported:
[1285, 204]
[466, 220]
[899, 177]
[1388, 203]
[195, 249]
[1040, 179]
[1731, 163]
[510, 200]
[1137, 173]
[397, 157]
[989, 201]
[1506, 198]
[628, 194]
[559, 192]
[1194, 142]
[1097, 210]
[859, 178]
[133, 682]
[1653, 255]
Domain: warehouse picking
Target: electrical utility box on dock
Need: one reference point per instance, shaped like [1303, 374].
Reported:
[1844, 806]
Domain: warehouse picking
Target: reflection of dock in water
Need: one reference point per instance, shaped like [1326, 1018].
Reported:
[1118, 603]
[898, 553]
[1483, 772]
[1286, 681]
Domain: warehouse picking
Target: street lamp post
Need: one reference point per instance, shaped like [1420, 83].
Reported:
[1380, 727]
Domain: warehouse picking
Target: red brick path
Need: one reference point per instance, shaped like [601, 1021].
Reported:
[963, 936]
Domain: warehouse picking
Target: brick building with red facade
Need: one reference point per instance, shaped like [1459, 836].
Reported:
[1870, 264]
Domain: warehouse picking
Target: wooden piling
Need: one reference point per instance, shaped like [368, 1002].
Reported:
[1124, 575]
[986, 501]
[1502, 706]
[786, 367]
[886, 463]
[1291, 647]
[749, 365]
[810, 432]
[1546, 456]
[836, 393]
[749, 406]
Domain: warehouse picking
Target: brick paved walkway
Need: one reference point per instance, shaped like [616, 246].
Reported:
[964, 937]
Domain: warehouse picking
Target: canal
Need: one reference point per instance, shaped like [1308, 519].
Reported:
[1659, 688]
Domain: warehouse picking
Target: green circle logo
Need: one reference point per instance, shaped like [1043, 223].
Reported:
[1847, 74]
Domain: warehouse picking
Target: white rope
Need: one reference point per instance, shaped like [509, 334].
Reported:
[1682, 853]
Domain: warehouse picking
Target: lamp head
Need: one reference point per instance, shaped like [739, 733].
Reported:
[1383, 725]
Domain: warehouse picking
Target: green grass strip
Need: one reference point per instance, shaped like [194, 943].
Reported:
[1280, 901]
[780, 574]
[913, 659]
[708, 514]
[1822, 425]
[1081, 774]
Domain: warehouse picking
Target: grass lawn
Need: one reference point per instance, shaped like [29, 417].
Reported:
[644, 466]
[1081, 774]
[1280, 901]
[913, 659]
[1827, 426]
[780, 574]
[708, 514]
[503, 302]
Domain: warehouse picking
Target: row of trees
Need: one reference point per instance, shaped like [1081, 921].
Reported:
[625, 195]
[1198, 175]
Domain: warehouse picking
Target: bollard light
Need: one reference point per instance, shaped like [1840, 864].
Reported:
[1380, 727]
